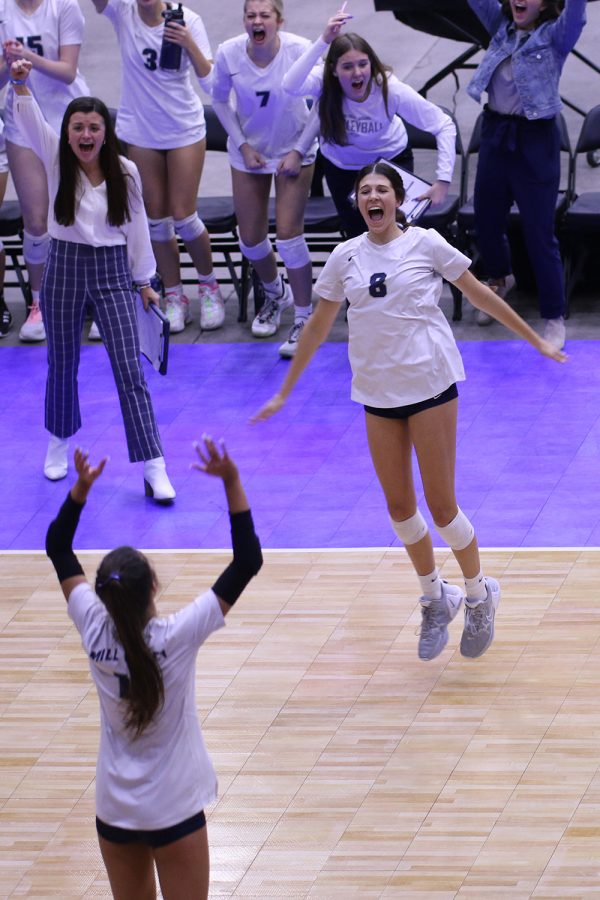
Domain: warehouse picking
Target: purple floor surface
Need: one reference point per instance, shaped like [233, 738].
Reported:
[528, 450]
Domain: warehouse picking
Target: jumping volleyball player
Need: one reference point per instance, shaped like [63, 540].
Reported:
[48, 34]
[269, 135]
[405, 365]
[162, 120]
[153, 775]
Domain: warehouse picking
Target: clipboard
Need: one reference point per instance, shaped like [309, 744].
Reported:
[413, 208]
[154, 330]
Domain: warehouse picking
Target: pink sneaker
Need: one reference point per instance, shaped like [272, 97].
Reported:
[33, 327]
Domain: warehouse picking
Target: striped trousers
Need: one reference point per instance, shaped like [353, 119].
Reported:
[77, 275]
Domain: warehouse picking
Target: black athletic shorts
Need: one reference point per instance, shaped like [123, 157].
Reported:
[403, 412]
[160, 837]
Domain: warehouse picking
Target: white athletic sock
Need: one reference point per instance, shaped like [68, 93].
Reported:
[35, 298]
[302, 312]
[273, 287]
[175, 290]
[206, 279]
[475, 587]
[431, 585]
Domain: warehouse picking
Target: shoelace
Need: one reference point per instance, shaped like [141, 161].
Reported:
[269, 310]
[429, 621]
[477, 618]
[295, 332]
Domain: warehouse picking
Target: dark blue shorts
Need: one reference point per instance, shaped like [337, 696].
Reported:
[403, 412]
[159, 837]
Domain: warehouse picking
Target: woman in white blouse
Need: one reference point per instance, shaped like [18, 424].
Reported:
[99, 245]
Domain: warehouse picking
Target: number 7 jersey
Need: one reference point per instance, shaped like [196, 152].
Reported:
[54, 24]
[271, 120]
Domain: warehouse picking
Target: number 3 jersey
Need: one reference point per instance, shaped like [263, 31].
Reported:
[165, 775]
[54, 24]
[269, 119]
[400, 345]
[159, 108]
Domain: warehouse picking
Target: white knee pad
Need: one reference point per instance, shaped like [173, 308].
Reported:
[161, 230]
[257, 251]
[189, 228]
[410, 531]
[459, 533]
[294, 252]
[35, 248]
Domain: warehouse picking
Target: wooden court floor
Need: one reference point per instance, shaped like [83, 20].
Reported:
[348, 768]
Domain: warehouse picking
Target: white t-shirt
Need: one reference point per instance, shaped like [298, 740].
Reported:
[265, 115]
[54, 24]
[372, 131]
[159, 108]
[90, 225]
[164, 776]
[400, 345]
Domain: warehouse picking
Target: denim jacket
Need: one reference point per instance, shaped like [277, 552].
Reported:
[538, 61]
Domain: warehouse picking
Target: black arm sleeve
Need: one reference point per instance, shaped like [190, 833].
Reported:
[59, 540]
[247, 558]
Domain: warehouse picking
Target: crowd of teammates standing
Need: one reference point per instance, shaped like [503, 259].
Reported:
[262, 84]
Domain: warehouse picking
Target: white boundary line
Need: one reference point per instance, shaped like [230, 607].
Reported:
[280, 550]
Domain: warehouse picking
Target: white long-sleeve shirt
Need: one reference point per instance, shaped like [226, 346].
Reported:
[90, 226]
[372, 131]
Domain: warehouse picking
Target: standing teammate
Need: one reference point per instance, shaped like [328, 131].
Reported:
[161, 118]
[99, 246]
[360, 102]
[405, 365]
[519, 155]
[48, 34]
[269, 135]
[153, 776]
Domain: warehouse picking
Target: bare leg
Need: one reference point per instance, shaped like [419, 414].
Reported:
[130, 869]
[433, 433]
[184, 169]
[291, 196]
[184, 867]
[31, 185]
[152, 165]
[251, 199]
[391, 451]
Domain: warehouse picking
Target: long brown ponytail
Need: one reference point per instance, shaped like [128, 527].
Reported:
[125, 582]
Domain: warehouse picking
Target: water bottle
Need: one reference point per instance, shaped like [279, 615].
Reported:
[170, 54]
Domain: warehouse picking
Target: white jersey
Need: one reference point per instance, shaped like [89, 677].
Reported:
[400, 345]
[265, 115]
[159, 108]
[374, 130]
[164, 776]
[54, 24]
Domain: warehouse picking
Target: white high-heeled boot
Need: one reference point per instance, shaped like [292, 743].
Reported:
[56, 462]
[156, 480]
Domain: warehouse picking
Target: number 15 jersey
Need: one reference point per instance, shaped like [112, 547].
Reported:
[54, 24]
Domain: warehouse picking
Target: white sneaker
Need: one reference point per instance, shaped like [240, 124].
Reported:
[177, 311]
[555, 332]
[56, 463]
[288, 349]
[212, 305]
[94, 333]
[268, 319]
[156, 481]
[32, 328]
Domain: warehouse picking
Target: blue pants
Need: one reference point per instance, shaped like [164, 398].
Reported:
[77, 275]
[519, 161]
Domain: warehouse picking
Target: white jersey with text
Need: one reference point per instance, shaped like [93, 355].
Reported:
[400, 345]
[165, 775]
[54, 24]
[270, 120]
[159, 108]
